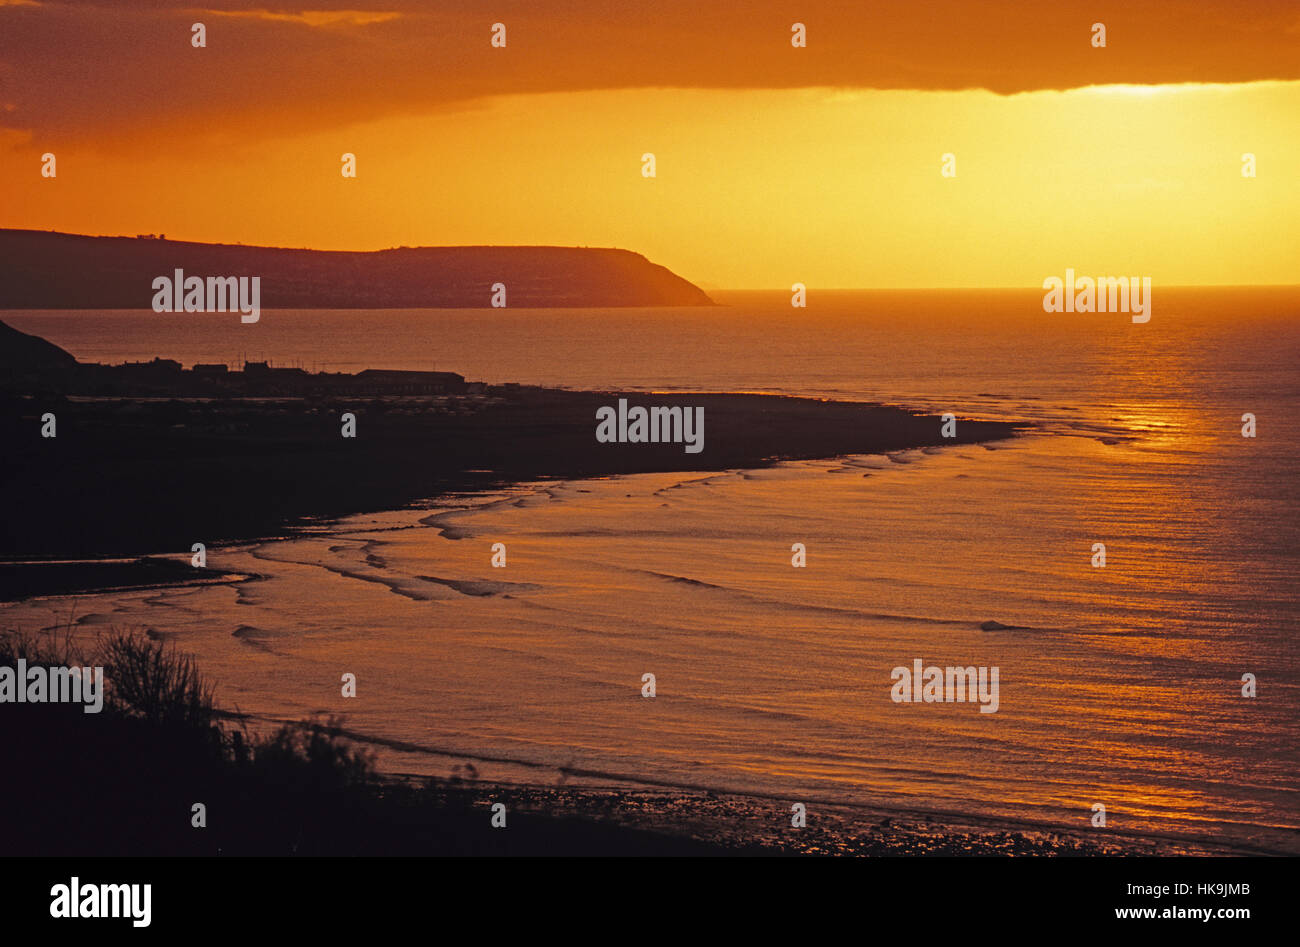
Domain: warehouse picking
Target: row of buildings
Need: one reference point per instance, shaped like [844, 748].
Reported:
[166, 376]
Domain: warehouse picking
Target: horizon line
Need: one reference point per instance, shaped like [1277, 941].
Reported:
[969, 289]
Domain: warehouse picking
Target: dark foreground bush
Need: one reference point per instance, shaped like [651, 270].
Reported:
[126, 780]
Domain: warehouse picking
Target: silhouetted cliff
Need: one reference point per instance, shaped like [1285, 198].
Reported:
[45, 270]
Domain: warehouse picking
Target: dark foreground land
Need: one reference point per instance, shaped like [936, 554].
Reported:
[130, 477]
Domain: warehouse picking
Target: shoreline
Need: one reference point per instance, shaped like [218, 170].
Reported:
[635, 819]
[310, 793]
[597, 814]
[740, 823]
[749, 822]
[170, 473]
[30, 580]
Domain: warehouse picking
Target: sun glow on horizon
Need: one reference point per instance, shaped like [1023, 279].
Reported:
[754, 188]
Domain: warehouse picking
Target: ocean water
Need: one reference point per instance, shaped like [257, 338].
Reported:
[1118, 685]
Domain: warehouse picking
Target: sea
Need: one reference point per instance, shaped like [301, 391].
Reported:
[1163, 685]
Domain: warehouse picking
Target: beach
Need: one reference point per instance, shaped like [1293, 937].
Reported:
[1119, 685]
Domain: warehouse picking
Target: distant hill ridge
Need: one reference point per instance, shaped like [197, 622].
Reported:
[49, 270]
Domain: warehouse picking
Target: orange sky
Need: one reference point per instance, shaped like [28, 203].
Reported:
[775, 164]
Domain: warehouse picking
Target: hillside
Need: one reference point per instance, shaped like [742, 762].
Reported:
[28, 360]
[47, 270]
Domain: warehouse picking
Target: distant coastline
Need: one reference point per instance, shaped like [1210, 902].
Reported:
[51, 270]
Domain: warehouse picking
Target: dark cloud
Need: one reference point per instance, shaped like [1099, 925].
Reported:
[70, 69]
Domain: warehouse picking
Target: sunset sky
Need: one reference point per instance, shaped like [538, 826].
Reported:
[774, 164]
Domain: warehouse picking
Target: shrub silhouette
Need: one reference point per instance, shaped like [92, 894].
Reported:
[123, 781]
